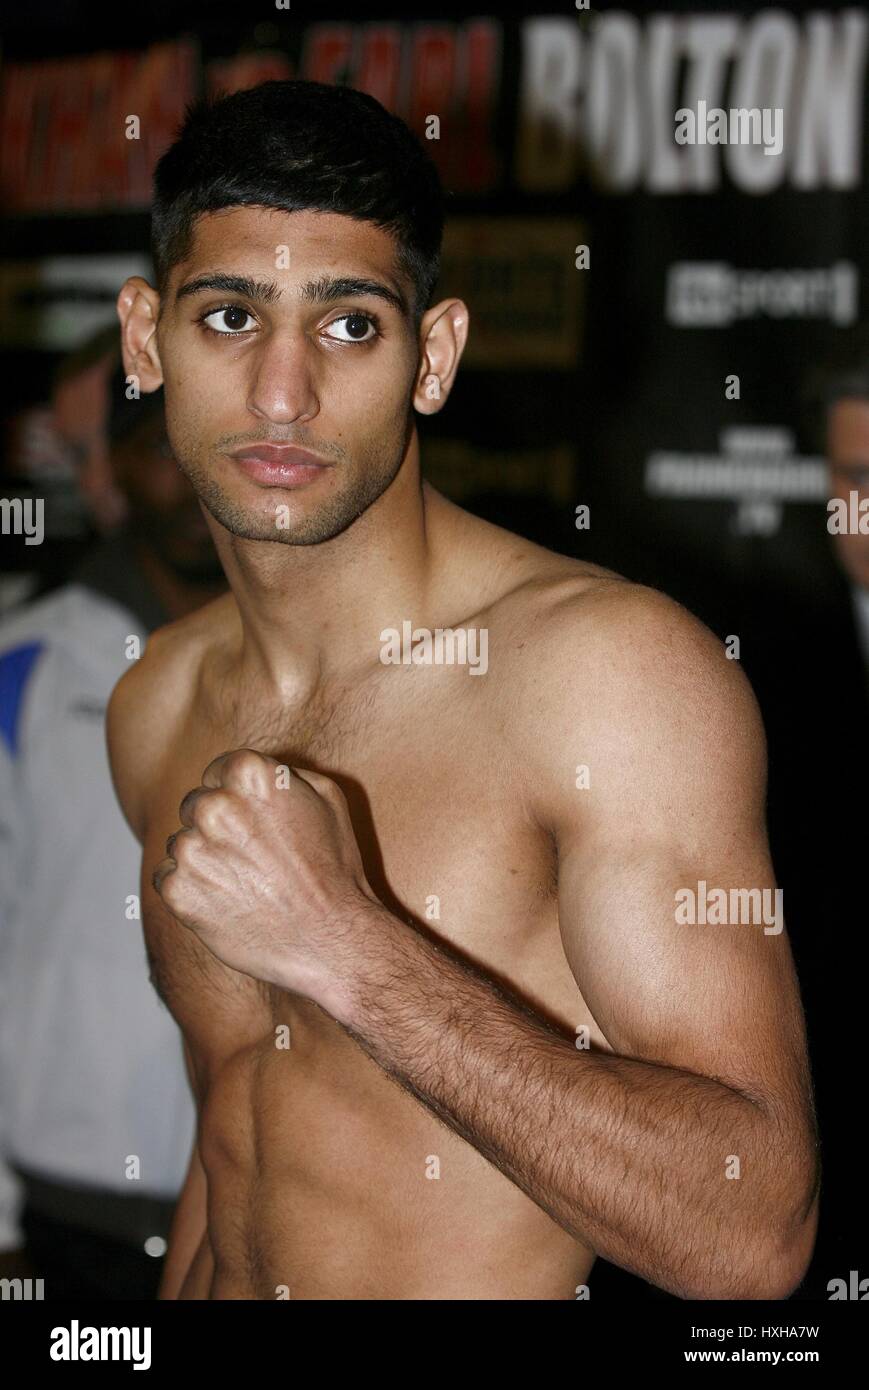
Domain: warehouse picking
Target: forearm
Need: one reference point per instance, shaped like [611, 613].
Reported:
[630, 1157]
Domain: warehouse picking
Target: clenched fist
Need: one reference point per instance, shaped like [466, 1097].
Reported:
[267, 872]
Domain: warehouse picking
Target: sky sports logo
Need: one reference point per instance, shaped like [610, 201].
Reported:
[712, 294]
[75, 1343]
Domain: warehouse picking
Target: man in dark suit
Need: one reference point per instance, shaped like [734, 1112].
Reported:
[807, 656]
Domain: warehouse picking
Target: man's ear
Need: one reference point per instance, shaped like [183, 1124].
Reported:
[138, 310]
[443, 333]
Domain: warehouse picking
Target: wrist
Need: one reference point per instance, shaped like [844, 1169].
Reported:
[366, 946]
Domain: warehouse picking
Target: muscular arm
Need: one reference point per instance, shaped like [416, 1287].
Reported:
[689, 1157]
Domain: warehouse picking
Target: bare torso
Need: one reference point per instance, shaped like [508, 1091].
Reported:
[327, 1180]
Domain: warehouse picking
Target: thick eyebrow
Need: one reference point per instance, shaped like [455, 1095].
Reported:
[325, 290]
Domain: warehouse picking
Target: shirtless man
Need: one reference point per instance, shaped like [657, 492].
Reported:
[416, 919]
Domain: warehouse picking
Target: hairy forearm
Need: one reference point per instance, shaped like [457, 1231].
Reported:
[628, 1156]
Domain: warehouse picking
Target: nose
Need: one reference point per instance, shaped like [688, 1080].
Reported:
[282, 388]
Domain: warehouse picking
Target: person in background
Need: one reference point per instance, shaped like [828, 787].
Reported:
[95, 1110]
[847, 431]
[79, 401]
[807, 656]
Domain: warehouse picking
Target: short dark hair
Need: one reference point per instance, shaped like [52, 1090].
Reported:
[301, 146]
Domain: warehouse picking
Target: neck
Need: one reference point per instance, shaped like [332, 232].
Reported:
[310, 613]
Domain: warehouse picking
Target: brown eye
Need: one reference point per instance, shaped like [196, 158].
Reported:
[359, 328]
[229, 320]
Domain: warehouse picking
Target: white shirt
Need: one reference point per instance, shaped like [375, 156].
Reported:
[91, 1063]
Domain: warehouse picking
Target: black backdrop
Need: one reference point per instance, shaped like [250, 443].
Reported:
[602, 385]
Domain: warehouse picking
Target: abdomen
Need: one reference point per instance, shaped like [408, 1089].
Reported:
[328, 1181]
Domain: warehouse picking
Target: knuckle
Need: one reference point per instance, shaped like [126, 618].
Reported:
[210, 812]
[246, 768]
[244, 760]
[327, 788]
[181, 846]
[169, 891]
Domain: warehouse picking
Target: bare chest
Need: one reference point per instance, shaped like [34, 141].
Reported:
[446, 840]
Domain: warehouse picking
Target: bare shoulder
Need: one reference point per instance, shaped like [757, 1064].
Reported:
[599, 667]
[582, 658]
[638, 644]
[151, 700]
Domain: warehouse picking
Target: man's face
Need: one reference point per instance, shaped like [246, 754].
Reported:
[292, 357]
[848, 453]
[79, 407]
